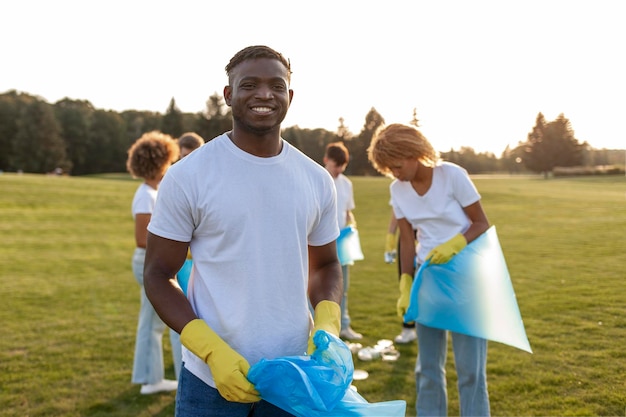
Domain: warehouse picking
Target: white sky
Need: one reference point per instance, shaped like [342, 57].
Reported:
[478, 72]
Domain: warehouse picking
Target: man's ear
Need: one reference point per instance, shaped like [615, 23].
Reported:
[227, 94]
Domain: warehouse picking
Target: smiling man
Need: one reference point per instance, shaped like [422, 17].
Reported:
[260, 218]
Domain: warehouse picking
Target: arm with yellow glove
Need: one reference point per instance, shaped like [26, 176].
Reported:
[327, 316]
[229, 368]
[444, 252]
[406, 281]
[390, 248]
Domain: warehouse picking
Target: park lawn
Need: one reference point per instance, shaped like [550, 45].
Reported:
[70, 302]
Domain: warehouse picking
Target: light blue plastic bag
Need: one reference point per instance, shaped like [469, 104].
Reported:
[472, 294]
[183, 275]
[318, 385]
[349, 246]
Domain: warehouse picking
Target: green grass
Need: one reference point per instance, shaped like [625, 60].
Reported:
[70, 302]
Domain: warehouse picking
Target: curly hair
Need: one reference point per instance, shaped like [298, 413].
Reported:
[255, 52]
[151, 155]
[396, 142]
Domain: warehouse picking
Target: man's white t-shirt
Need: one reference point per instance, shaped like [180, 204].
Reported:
[438, 214]
[249, 221]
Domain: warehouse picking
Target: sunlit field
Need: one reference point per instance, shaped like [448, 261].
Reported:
[70, 302]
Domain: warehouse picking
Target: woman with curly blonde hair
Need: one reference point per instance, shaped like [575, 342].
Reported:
[438, 200]
[149, 158]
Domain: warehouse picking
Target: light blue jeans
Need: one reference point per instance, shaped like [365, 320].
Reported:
[345, 316]
[470, 356]
[148, 365]
[194, 398]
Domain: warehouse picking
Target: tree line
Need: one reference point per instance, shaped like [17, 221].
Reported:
[76, 138]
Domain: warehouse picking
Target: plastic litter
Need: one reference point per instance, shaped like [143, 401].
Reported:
[472, 294]
[318, 385]
[349, 246]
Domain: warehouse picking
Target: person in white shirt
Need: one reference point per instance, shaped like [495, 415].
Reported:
[440, 201]
[149, 158]
[336, 158]
[260, 218]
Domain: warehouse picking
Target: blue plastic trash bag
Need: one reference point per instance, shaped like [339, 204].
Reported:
[317, 385]
[183, 275]
[349, 246]
[472, 294]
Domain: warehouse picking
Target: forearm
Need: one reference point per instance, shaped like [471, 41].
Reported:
[164, 259]
[168, 301]
[326, 284]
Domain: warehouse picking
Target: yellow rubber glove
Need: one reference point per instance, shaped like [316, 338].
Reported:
[390, 248]
[327, 316]
[444, 252]
[406, 281]
[229, 368]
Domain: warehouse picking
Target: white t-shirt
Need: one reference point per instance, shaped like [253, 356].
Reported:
[249, 221]
[144, 199]
[437, 215]
[345, 199]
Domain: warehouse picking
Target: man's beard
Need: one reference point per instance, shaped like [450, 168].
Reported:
[258, 130]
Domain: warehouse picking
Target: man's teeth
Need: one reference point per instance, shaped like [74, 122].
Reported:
[262, 109]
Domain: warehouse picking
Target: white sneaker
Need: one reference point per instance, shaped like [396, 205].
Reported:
[407, 335]
[350, 334]
[164, 385]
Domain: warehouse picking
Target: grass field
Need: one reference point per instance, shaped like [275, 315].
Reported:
[70, 302]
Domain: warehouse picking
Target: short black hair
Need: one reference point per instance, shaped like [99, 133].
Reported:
[254, 52]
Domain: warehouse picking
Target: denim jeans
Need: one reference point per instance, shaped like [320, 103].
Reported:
[345, 316]
[470, 356]
[148, 360]
[194, 398]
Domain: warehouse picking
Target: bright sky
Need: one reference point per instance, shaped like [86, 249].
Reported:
[477, 71]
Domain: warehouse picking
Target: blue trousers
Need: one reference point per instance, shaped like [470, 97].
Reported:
[148, 365]
[194, 398]
[470, 356]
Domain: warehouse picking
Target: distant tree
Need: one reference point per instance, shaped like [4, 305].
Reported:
[311, 142]
[474, 163]
[139, 122]
[215, 119]
[172, 122]
[10, 104]
[511, 159]
[343, 133]
[74, 117]
[552, 145]
[359, 164]
[108, 142]
[415, 121]
[39, 147]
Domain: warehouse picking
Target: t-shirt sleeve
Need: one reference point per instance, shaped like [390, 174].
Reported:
[171, 217]
[143, 203]
[326, 229]
[465, 191]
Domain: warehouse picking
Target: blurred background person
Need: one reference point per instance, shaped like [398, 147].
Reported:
[336, 158]
[149, 158]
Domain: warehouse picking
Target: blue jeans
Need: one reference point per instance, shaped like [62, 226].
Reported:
[148, 365]
[470, 356]
[345, 316]
[194, 398]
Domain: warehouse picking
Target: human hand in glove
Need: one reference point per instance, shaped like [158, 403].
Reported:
[229, 368]
[406, 281]
[444, 252]
[390, 248]
[327, 316]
